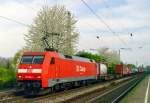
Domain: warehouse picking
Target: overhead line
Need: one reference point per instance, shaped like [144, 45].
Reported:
[18, 22]
[101, 20]
[104, 1]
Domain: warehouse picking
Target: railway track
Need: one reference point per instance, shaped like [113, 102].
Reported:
[65, 96]
[110, 95]
[68, 95]
[12, 99]
[9, 95]
[6, 94]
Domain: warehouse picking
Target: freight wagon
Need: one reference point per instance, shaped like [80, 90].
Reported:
[119, 70]
[102, 71]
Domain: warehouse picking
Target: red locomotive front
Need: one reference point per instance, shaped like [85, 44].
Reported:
[30, 67]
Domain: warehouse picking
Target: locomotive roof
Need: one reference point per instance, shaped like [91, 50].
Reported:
[34, 53]
[74, 58]
[61, 55]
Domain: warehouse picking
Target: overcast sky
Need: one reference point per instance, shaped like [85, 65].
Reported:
[122, 16]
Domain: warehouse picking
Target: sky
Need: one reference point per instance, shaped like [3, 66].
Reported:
[117, 20]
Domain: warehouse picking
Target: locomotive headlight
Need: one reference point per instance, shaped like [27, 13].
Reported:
[22, 70]
[38, 76]
[36, 70]
[29, 70]
[19, 76]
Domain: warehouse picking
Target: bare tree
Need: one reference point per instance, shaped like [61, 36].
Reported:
[59, 25]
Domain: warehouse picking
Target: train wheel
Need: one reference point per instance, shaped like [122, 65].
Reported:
[84, 83]
[67, 86]
[76, 84]
[51, 89]
[56, 88]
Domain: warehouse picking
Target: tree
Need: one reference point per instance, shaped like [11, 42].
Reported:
[147, 68]
[111, 56]
[88, 55]
[132, 66]
[16, 59]
[59, 26]
[5, 62]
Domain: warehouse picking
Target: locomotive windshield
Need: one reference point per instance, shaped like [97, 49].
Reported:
[38, 59]
[32, 59]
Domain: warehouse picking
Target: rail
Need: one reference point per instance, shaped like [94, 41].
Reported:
[115, 94]
[68, 95]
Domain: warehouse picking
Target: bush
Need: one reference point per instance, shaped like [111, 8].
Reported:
[7, 78]
[91, 56]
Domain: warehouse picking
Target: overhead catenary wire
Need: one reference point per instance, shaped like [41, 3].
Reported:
[13, 20]
[102, 21]
[17, 22]
[21, 23]
[90, 25]
[121, 24]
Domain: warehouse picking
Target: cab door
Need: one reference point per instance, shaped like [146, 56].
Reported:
[52, 70]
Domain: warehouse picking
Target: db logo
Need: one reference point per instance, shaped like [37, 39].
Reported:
[80, 68]
[29, 70]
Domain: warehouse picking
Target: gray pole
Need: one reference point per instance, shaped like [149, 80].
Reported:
[69, 34]
[119, 55]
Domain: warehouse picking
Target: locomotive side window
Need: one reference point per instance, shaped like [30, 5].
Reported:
[38, 59]
[26, 59]
[52, 60]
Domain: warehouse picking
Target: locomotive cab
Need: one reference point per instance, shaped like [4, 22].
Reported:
[30, 67]
[33, 69]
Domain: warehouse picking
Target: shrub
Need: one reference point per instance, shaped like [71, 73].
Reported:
[7, 78]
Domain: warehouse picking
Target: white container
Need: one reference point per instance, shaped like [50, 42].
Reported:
[102, 69]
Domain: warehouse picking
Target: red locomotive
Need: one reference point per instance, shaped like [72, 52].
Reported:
[42, 70]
